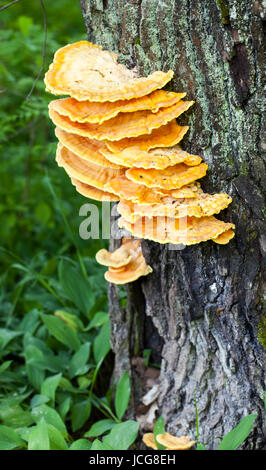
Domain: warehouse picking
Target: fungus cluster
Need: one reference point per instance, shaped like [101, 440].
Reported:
[126, 264]
[119, 141]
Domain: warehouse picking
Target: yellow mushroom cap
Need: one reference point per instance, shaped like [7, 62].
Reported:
[84, 171]
[126, 264]
[170, 178]
[175, 443]
[88, 149]
[86, 72]
[120, 257]
[136, 268]
[165, 136]
[93, 193]
[203, 205]
[186, 230]
[124, 125]
[158, 158]
[149, 440]
[97, 113]
[224, 238]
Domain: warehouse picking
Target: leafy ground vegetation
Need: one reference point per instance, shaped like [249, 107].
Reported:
[55, 359]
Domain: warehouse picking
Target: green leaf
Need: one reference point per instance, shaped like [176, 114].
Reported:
[50, 385]
[80, 444]
[75, 287]
[6, 336]
[99, 428]
[101, 345]
[200, 447]
[77, 365]
[38, 400]
[122, 435]
[4, 366]
[61, 331]
[50, 416]
[64, 407]
[57, 441]
[80, 413]
[98, 445]
[122, 395]
[234, 438]
[24, 23]
[43, 212]
[39, 437]
[159, 429]
[98, 320]
[9, 439]
[68, 318]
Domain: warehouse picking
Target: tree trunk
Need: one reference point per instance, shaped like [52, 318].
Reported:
[200, 309]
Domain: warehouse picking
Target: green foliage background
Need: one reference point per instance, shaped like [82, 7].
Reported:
[54, 327]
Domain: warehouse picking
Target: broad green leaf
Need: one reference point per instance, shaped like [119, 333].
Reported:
[61, 331]
[35, 376]
[68, 318]
[75, 286]
[13, 415]
[80, 444]
[39, 437]
[101, 345]
[42, 212]
[50, 416]
[200, 447]
[99, 428]
[6, 336]
[80, 413]
[4, 366]
[234, 438]
[98, 445]
[122, 435]
[122, 395]
[57, 441]
[159, 429]
[98, 320]
[38, 400]
[24, 23]
[50, 385]
[64, 407]
[9, 439]
[77, 365]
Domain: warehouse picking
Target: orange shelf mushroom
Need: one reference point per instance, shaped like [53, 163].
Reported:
[171, 178]
[123, 125]
[170, 442]
[90, 150]
[86, 72]
[165, 136]
[119, 141]
[93, 193]
[185, 230]
[159, 158]
[97, 113]
[126, 264]
[204, 204]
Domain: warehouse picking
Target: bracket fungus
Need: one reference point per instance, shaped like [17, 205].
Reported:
[118, 141]
[168, 441]
[97, 113]
[86, 72]
[121, 126]
[158, 158]
[126, 264]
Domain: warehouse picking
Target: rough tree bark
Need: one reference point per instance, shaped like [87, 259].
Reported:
[199, 311]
